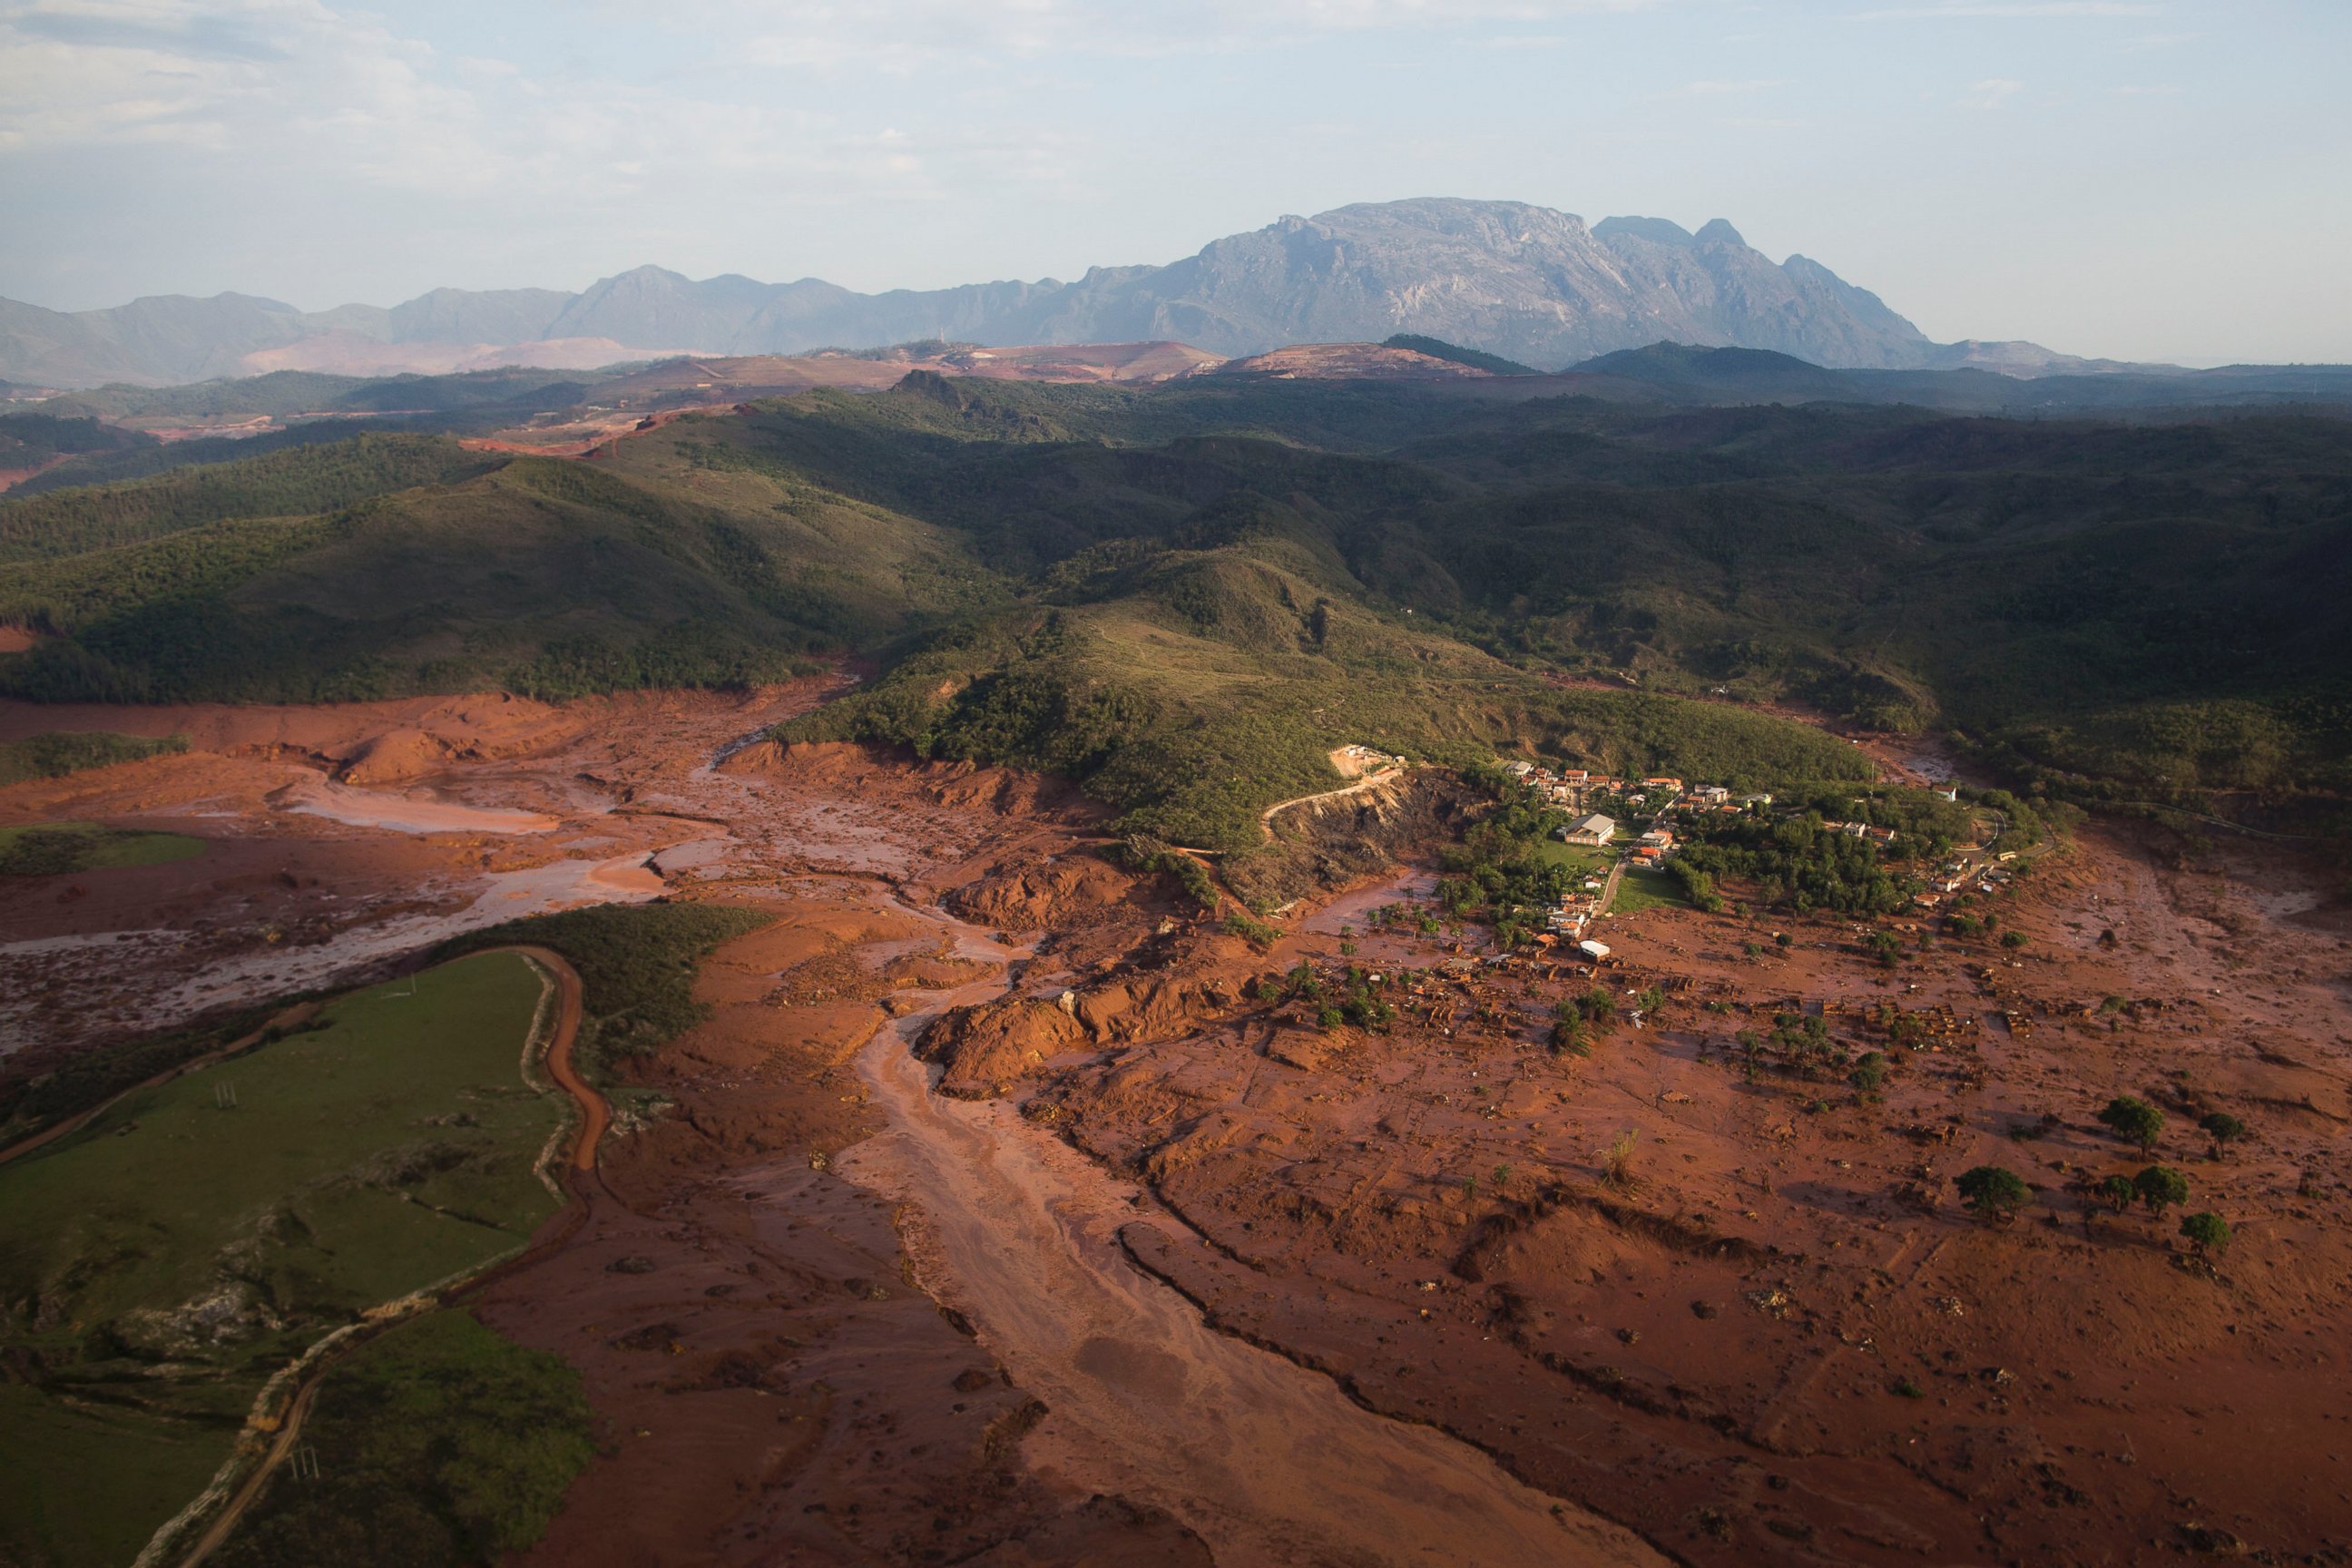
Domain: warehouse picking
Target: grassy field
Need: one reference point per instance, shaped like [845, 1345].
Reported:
[158, 1264]
[70, 848]
[438, 1444]
[1575, 856]
[1647, 890]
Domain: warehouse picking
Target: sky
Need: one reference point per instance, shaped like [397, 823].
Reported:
[2163, 180]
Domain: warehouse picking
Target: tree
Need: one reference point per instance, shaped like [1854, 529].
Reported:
[2207, 1232]
[2159, 1188]
[2013, 939]
[1996, 1194]
[1869, 1074]
[2135, 1119]
[2223, 1129]
[2117, 1192]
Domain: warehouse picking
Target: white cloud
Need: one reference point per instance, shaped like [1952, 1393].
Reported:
[312, 91]
[1949, 8]
[1991, 94]
[901, 35]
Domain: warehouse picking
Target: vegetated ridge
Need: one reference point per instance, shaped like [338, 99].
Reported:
[1185, 596]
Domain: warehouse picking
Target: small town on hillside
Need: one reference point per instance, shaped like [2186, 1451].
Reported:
[1665, 802]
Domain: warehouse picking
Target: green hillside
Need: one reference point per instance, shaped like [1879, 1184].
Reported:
[548, 577]
[1185, 595]
[279, 484]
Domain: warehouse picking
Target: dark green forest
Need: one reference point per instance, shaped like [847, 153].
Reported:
[1185, 595]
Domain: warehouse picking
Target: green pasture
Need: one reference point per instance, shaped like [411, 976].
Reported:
[159, 1264]
[70, 848]
[1644, 889]
[1577, 858]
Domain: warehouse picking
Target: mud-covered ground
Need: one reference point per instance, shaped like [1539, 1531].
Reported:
[828, 1316]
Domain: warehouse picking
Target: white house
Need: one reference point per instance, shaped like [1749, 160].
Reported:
[1595, 830]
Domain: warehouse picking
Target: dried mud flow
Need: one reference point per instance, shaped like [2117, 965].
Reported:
[990, 1217]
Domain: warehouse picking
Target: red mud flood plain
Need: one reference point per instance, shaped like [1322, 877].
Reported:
[1324, 1295]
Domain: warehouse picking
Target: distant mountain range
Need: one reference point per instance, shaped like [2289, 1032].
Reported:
[1526, 282]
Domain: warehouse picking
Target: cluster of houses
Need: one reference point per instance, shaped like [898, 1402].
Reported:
[1579, 908]
[1663, 796]
[1569, 786]
[1954, 876]
[1665, 799]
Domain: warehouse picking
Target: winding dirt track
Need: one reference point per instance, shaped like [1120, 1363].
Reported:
[1369, 781]
[595, 1116]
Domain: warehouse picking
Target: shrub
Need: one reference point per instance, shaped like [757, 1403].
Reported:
[1257, 934]
[2117, 1193]
[1567, 1032]
[2013, 939]
[2207, 1232]
[1617, 1162]
[2159, 1188]
[2135, 1119]
[1144, 853]
[1994, 1194]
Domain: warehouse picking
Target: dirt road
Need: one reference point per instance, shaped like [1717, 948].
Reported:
[595, 1114]
[1368, 782]
[1267, 1461]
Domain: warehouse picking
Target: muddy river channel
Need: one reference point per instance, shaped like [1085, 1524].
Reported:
[1267, 1460]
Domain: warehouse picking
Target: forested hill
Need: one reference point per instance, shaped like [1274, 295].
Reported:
[1186, 595]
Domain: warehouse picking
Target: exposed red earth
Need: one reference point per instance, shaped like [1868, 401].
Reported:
[990, 1218]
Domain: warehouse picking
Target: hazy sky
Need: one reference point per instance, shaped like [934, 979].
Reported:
[2147, 179]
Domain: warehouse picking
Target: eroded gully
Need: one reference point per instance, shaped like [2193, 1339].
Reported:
[1266, 1462]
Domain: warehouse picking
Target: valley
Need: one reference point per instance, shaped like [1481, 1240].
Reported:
[825, 1301]
[1300, 962]
[1047, 785]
